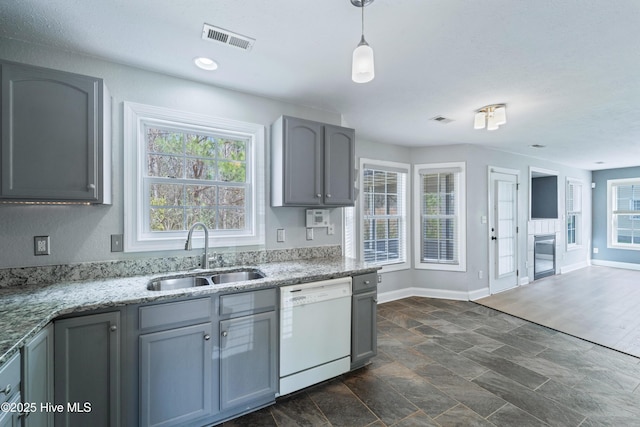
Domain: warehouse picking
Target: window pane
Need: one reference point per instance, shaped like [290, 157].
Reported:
[201, 169]
[200, 195]
[235, 171]
[166, 194]
[200, 146]
[231, 219]
[165, 166]
[166, 219]
[232, 150]
[231, 196]
[205, 215]
[163, 141]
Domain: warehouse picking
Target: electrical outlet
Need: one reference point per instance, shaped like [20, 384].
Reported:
[41, 245]
[280, 235]
[331, 229]
[309, 233]
[595, 250]
[116, 243]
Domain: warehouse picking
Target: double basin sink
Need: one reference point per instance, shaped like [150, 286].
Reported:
[202, 279]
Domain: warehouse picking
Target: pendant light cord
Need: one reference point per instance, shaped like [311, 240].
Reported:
[362, 18]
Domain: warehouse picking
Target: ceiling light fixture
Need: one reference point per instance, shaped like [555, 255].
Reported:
[491, 116]
[362, 70]
[205, 63]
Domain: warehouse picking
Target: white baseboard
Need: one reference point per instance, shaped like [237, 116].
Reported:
[574, 267]
[480, 293]
[615, 264]
[523, 281]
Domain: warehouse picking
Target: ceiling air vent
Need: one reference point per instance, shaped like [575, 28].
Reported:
[220, 35]
[441, 119]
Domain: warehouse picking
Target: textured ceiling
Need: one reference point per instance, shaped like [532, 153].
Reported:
[568, 70]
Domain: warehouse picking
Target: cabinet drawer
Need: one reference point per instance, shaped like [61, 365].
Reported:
[365, 282]
[245, 303]
[10, 378]
[175, 313]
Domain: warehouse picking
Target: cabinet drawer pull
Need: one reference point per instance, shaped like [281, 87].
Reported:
[367, 282]
[91, 186]
[113, 328]
[6, 390]
[207, 337]
[224, 333]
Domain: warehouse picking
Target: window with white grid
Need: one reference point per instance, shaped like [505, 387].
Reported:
[623, 213]
[440, 216]
[573, 207]
[182, 168]
[383, 192]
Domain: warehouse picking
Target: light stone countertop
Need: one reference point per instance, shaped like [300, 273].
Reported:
[25, 310]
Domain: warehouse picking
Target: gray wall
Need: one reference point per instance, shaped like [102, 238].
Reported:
[600, 216]
[478, 161]
[82, 233]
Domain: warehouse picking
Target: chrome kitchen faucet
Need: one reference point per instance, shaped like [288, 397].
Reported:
[187, 245]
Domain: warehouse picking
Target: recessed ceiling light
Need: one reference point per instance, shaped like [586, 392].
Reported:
[537, 146]
[206, 63]
[599, 162]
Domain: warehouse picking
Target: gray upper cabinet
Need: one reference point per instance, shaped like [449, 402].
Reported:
[55, 133]
[312, 164]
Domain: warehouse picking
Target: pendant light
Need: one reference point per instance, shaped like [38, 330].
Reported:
[362, 69]
[491, 116]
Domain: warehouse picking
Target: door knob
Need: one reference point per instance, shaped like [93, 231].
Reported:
[493, 238]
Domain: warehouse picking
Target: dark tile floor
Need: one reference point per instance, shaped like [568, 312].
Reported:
[455, 363]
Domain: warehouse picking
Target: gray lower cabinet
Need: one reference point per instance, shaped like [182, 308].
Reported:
[10, 392]
[12, 418]
[247, 360]
[87, 370]
[364, 336]
[55, 136]
[176, 376]
[37, 377]
[312, 164]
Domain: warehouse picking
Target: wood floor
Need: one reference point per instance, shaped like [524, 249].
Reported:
[598, 304]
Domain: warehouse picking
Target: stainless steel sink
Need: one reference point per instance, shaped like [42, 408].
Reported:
[165, 284]
[236, 276]
[177, 283]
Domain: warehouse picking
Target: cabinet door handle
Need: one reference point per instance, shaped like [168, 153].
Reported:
[366, 282]
[224, 333]
[328, 195]
[318, 195]
[6, 390]
[113, 328]
[91, 186]
[375, 300]
[207, 337]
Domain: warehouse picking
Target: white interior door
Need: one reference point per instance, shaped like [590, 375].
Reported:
[503, 231]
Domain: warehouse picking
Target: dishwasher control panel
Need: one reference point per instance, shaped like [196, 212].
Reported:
[314, 292]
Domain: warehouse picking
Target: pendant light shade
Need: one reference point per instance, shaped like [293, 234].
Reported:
[479, 120]
[500, 115]
[362, 69]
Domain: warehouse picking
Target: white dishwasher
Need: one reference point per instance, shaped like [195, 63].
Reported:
[315, 332]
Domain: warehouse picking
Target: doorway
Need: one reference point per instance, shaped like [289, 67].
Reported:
[503, 229]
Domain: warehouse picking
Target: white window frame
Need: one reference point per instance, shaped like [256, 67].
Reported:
[461, 217]
[136, 238]
[403, 206]
[576, 184]
[613, 211]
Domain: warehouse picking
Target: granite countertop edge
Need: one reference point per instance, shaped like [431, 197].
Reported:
[26, 310]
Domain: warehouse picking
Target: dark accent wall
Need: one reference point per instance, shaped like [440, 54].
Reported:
[599, 221]
[544, 197]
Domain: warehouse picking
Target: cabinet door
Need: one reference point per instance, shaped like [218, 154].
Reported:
[176, 376]
[247, 359]
[302, 162]
[37, 376]
[51, 133]
[364, 337]
[339, 154]
[12, 419]
[87, 370]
